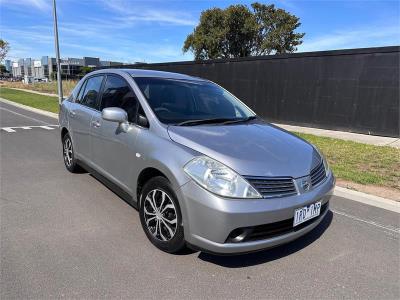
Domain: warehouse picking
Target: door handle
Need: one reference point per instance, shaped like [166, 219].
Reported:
[96, 124]
[72, 113]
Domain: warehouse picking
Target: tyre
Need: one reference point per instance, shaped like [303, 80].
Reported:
[160, 215]
[68, 154]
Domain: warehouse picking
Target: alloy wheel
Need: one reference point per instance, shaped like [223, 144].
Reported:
[160, 215]
[68, 152]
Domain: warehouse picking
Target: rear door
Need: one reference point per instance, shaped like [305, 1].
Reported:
[81, 114]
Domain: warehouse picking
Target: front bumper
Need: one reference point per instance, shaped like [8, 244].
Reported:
[209, 219]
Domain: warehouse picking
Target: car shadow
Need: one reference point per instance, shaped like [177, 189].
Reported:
[261, 257]
[80, 170]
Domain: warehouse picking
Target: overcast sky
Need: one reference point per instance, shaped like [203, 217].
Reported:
[154, 31]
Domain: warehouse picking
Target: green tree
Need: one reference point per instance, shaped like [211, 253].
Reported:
[3, 69]
[275, 30]
[85, 70]
[4, 48]
[240, 31]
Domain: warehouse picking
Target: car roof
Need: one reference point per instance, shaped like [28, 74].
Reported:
[150, 73]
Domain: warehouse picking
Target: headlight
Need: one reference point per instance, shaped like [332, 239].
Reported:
[326, 165]
[219, 179]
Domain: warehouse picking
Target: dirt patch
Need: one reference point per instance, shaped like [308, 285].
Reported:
[381, 191]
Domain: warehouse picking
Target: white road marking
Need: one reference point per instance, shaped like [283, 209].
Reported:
[14, 128]
[376, 224]
[8, 129]
[46, 127]
[22, 115]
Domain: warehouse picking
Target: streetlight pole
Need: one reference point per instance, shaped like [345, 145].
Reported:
[59, 82]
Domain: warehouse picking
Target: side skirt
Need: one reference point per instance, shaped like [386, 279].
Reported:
[109, 184]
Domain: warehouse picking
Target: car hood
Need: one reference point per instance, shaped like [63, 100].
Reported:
[252, 149]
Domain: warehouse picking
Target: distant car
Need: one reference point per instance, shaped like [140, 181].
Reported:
[44, 79]
[201, 167]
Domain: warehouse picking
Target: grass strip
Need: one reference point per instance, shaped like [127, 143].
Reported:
[47, 103]
[360, 163]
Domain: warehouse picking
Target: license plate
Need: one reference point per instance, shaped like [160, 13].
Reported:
[306, 213]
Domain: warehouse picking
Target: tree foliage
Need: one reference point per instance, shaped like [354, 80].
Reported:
[240, 31]
[4, 47]
[85, 70]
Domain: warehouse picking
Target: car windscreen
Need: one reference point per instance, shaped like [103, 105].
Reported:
[177, 101]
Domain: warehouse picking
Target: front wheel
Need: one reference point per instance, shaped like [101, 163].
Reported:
[160, 215]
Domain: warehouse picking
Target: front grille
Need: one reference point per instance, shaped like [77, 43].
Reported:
[318, 174]
[267, 231]
[273, 187]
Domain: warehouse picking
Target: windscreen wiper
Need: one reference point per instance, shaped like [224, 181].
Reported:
[240, 120]
[204, 121]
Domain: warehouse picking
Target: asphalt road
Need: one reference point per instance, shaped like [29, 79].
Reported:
[66, 235]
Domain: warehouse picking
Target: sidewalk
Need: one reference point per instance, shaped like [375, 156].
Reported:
[349, 136]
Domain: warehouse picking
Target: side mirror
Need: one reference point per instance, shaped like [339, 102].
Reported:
[142, 121]
[114, 114]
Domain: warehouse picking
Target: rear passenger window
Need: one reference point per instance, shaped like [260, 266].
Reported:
[117, 93]
[80, 94]
[74, 94]
[88, 95]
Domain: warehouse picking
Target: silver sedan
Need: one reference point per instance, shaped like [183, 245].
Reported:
[200, 166]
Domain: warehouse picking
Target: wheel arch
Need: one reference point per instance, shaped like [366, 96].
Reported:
[64, 131]
[144, 176]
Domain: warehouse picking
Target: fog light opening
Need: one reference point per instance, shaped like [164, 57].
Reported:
[238, 235]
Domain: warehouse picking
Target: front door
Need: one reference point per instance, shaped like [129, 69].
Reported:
[113, 147]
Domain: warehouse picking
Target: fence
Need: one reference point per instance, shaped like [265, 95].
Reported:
[354, 90]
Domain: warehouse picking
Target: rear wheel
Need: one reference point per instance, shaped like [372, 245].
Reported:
[160, 215]
[68, 154]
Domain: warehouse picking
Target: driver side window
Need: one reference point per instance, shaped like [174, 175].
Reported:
[118, 93]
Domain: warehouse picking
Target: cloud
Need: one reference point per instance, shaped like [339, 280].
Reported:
[130, 52]
[27, 42]
[89, 38]
[31, 35]
[136, 13]
[43, 5]
[40, 4]
[18, 50]
[160, 17]
[288, 4]
[371, 36]
[106, 32]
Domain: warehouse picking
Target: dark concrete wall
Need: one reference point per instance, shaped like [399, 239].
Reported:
[353, 90]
